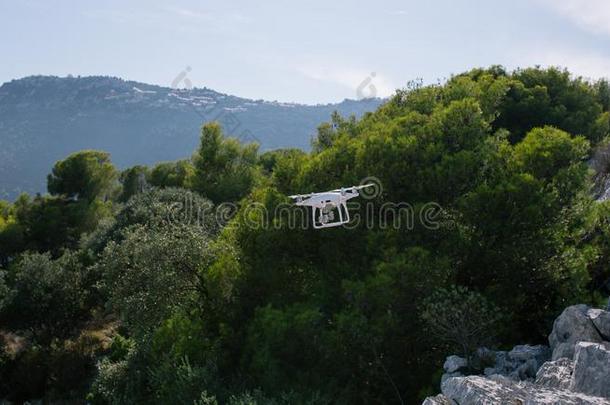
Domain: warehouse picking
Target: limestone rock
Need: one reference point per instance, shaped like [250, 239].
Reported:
[440, 399]
[450, 375]
[571, 327]
[539, 353]
[489, 371]
[497, 362]
[521, 363]
[556, 374]
[592, 369]
[527, 360]
[601, 321]
[578, 374]
[525, 371]
[454, 363]
[502, 390]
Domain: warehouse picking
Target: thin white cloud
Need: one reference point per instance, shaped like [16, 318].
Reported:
[176, 18]
[589, 65]
[361, 82]
[190, 14]
[207, 16]
[591, 15]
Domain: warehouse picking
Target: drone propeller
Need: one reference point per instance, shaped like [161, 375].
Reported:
[299, 197]
[364, 186]
[341, 190]
[351, 189]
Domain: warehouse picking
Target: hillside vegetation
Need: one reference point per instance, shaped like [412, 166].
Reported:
[45, 118]
[183, 283]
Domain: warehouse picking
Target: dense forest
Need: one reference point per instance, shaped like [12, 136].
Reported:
[161, 284]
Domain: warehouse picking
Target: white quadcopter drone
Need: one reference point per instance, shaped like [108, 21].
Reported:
[323, 205]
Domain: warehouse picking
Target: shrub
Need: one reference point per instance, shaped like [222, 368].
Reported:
[48, 295]
[461, 319]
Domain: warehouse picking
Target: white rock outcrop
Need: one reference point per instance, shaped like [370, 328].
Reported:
[454, 363]
[500, 390]
[592, 369]
[601, 321]
[556, 374]
[577, 372]
[572, 326]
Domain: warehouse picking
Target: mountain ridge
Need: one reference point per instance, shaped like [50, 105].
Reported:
[44, 118]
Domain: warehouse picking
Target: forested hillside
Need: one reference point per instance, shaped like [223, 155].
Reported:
[44, 118]
[183, 282]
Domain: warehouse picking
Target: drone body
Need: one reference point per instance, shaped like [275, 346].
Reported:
[329, 208]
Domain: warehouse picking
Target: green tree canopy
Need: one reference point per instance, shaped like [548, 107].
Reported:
[47, 297]
[84, 175]
[225, 170]
[154, 272]
[171, 174]
[133, 181]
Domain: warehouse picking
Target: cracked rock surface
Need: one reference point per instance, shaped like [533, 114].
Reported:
[573, 369]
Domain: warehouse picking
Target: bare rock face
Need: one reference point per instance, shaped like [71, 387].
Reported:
[571, 327]
[528, 359]
[454, 363]
[440, 399]
[527, 352]
[451, 375]
[578, 374]
[592, 369]
[556, 374]
[521, 363]
[502, 390]
[601, 321]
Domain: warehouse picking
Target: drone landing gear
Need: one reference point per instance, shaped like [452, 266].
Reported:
[324, 216]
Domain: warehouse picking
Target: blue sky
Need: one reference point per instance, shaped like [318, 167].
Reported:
[311, 51]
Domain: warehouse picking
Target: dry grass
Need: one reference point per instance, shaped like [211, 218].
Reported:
[13, 343]
[94, 338]
[96, 335]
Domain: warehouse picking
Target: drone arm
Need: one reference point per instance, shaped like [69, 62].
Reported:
[349, 196]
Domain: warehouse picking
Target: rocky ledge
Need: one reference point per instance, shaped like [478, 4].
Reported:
[573, 369]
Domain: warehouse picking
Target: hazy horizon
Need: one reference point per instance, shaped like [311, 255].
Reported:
[308, 53]
[193, 86]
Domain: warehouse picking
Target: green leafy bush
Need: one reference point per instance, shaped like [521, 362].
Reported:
[48, 298]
